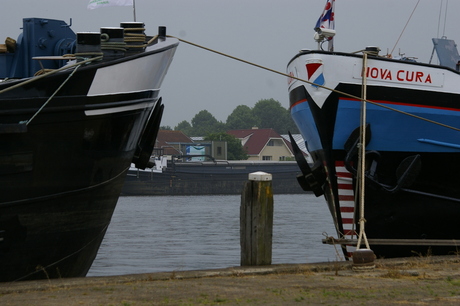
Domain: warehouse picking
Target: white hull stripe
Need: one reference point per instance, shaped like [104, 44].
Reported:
[120, 109]
[346, 203]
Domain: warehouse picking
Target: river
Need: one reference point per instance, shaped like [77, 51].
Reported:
[177, 233]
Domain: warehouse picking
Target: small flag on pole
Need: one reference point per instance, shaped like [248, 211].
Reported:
[94, 4]
[326, 21]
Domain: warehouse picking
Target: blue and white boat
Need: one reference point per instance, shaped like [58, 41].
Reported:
[412, 143]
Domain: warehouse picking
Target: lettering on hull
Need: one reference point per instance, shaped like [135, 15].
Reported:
[424, 77]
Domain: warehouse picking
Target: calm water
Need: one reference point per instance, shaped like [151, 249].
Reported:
[173, 233]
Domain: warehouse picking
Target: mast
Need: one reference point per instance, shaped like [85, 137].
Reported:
[134, 10]
[324, 27]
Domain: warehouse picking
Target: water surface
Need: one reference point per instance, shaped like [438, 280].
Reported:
[173, 233]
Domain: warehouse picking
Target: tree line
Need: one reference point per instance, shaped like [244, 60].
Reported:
[266, 113]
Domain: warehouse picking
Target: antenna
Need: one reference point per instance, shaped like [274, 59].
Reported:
[134, 10]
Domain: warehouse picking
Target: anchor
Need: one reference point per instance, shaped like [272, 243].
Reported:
[352, 147]
[312, 178]
[406, 173]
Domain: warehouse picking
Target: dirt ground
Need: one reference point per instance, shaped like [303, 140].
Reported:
[414, 281]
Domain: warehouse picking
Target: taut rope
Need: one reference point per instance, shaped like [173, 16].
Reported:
[317, 85]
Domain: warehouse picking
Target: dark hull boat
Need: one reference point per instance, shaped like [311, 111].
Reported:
[202, 178]
[68, 137]
[412, 146]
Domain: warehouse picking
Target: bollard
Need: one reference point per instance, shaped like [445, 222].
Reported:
[363, 260]
[256, 220]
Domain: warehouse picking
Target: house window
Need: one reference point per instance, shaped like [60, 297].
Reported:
[274, 142]
[266, 157]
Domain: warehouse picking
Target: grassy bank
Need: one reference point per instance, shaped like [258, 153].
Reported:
[419, 280]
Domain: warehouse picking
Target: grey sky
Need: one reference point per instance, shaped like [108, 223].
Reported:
[266, 32]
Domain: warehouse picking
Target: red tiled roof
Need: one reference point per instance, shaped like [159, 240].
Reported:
[173, 136]
[258, 138]
[166, 138]
[170, 151]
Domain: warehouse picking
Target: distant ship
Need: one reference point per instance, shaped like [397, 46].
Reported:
[208, 177]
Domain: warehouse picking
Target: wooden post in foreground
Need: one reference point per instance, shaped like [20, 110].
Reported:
[256, 220]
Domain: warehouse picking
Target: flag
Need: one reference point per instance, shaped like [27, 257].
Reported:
[326, 20]
[94, 4]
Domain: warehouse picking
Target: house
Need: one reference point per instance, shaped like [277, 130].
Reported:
[264, 144]
[171, 143]
[176, 143]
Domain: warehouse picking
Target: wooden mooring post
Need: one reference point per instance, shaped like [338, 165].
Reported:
[256, 220]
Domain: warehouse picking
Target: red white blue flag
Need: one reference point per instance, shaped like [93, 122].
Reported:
[326, 20]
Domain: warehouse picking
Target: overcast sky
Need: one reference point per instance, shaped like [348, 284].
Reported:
[266, 32]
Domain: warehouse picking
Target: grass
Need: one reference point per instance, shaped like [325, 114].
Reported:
[392, 273]
[424, 278]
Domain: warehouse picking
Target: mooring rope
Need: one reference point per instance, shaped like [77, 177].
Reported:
[45, 74]
[38, 77]
[52, 96]
[332, 239]
[362, 159]
[364, 101]
[314, 84]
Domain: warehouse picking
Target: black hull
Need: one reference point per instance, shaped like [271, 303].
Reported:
[60, 180]
[56, 236]
[68, 136]
[207, 179]
[426, 210]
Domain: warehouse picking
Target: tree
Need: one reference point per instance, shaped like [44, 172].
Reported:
[204, 123]
[185, 127]
[241, 118]
[235, 150]
[165, 127]
[269, 113]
